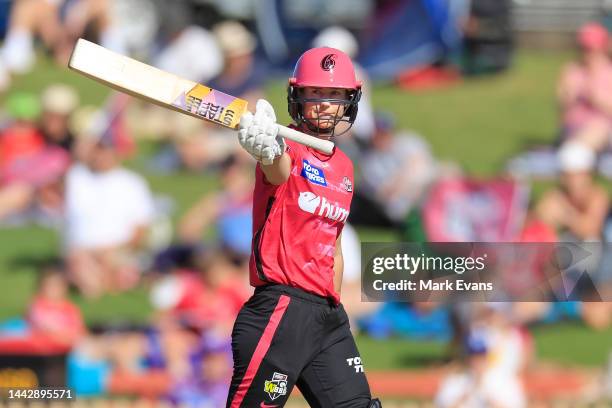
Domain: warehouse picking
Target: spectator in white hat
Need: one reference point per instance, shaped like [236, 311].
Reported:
[187, 50]
[242, 75]
[578, 206]
[58, 102]
[109, 210]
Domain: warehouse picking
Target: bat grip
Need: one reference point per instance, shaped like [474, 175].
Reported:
[322, 145]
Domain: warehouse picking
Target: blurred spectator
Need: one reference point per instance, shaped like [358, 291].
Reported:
[194, 145]
[585, 90]
[211, 370]
[487, 34]
[394, 175]
[29, 170]
[19, 141]
[176, 364]
[509, 345]
[108, 212]
[242, 75]
[58, 23]
[208, 297]
[578, 207]
[186, 50]
[230, 209]
[90, 18]
[28, 18]
[53, 324]
[343, 40]
[59, 101]
[475, 385]
[51, 313]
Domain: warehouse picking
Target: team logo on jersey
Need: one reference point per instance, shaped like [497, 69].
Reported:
[313, 204]
[313, 174]
[347, 184]
[328, 62]
[277, 386]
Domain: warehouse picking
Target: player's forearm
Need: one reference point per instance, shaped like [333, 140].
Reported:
[338, 265]
[278, 172]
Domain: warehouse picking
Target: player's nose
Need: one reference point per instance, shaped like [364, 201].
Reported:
[324, 105]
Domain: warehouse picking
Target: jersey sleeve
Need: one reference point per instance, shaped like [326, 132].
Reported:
[294, 151]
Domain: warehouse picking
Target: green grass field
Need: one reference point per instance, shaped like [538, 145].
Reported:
[477, 123]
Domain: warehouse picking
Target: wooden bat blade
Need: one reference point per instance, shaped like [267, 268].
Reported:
[154, 85]
[169, 91]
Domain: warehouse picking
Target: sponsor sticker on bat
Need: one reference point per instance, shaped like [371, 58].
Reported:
[212, 105]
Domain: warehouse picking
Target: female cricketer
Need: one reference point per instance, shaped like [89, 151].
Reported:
[294, 330]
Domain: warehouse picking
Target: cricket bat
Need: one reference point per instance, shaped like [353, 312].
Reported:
[169, 91]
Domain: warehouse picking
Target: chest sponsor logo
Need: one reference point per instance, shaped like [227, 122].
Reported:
[313, 174]
[320, 206]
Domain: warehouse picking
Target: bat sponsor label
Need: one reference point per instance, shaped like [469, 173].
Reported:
[212, 105]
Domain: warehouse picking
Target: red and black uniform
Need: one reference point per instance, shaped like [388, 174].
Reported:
[293, 330]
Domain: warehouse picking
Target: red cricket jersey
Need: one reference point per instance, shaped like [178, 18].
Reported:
[296, 224]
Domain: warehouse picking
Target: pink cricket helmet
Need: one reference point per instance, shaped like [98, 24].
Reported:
[324, 67]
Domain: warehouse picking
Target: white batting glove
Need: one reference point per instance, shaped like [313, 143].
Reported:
[258, 133]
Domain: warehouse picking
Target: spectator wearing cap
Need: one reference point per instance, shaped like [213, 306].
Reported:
[578, 206]
[20, 139]
[577, 209]
[27, 166]
[108, 210]
[585, 90]
[242, 75]
[58, 102]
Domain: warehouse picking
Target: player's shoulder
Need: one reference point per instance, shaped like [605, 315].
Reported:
[340, 155]
[342, 158]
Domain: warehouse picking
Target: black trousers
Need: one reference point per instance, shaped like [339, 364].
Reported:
[283, 337]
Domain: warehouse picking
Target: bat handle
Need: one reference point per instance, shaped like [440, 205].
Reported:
[322, 145]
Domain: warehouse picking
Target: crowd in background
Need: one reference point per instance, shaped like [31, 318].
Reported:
[62, 165]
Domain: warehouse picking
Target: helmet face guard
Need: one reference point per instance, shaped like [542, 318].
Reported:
[346, 114]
